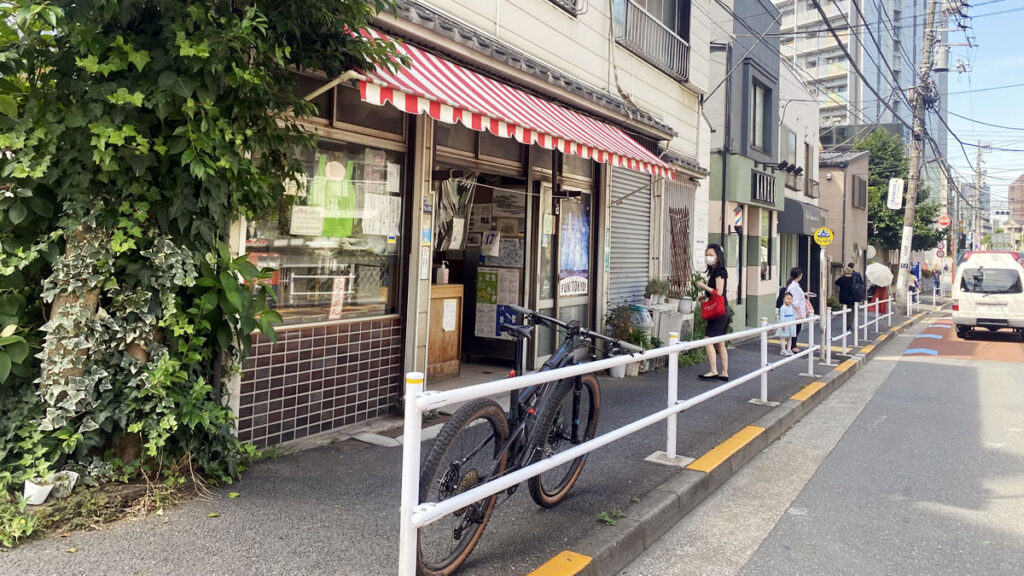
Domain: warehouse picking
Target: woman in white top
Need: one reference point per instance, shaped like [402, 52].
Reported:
[799, 301]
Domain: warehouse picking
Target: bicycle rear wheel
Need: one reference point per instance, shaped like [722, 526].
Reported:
[568, 418]
[465, 454]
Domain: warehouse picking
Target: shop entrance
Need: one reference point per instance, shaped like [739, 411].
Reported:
[499, 242]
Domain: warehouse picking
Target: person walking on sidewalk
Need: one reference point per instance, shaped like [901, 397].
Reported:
[714, 257]
[786, 333]
[800, 302]
[845, 285]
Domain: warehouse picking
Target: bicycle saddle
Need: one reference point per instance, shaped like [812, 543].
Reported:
[518, 332]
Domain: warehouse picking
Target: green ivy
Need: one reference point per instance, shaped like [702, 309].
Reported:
[132, 133]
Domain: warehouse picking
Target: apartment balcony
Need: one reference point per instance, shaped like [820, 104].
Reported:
[831, 101]
[831, 71]
[644, 35]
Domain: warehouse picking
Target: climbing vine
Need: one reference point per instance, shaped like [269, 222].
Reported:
[132, 133]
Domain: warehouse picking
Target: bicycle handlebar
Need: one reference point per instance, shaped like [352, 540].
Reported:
[548, 320]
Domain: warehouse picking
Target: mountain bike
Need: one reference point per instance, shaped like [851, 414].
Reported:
[481, 442]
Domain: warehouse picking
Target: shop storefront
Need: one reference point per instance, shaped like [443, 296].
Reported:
[435, 200]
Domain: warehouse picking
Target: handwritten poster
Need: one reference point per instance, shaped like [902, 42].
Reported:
[448, 317]
[382, 215]
[307, 221]
[458, 233]
[338, 292]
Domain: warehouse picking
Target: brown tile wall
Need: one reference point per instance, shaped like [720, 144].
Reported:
[318, 378]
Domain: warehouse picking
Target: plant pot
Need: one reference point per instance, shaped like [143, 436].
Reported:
[63, 483]
[617, 371]
[686, 305]
[647, 300]
[645, 366]
[673, 302]
[36, 492]
[633, 369]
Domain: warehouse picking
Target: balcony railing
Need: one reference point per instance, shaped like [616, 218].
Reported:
[647, 37]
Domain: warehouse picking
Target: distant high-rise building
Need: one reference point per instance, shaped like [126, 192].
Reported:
[885, 39]
[1016, 199]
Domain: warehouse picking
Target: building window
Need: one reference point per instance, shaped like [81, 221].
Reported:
[759, 116]
[334, 238]
[810, 186]
[574, 7]
[766, 244]
[657, 31]
[790, 148]
[860, 193]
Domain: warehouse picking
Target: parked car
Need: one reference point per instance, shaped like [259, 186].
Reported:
[988, 292]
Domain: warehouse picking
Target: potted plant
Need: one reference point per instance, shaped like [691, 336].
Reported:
[617, 324]
[37, 489]
[642, 339]
[674, 296]
[693, 293]
[63, 483]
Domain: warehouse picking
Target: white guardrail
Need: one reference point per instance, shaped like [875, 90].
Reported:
[844, 332]
[414, 514]
[861, 311]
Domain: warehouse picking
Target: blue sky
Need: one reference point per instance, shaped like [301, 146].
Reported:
[997, 61]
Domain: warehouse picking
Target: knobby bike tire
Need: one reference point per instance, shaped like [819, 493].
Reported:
[445, 544]
[553, 435]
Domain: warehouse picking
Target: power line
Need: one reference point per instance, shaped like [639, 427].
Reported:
[984, 123]
[973, 90]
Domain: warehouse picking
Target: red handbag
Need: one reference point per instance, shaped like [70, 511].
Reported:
[713, 307]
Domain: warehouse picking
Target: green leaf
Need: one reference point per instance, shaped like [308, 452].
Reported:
[5, 366]
[17, 213]
[18, 351]
[233, 495]
[139, 58]
[213, 515]
[8, 106]
[40, 206]
[176, 84]
[224, 336]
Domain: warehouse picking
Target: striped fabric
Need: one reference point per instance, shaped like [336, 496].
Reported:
[450, 93]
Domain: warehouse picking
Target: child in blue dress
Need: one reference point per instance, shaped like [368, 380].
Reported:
[786, 314]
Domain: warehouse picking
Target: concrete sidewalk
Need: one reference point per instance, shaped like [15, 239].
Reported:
[333, 509]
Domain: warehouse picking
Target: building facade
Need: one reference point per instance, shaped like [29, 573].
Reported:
[844, 197]
[802, 215]
[1015, 198]
[502, 167]
[746, 184]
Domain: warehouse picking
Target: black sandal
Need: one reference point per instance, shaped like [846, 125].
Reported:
[723, 378]
[708, 376]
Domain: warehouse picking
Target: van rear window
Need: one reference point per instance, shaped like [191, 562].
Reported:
[991, 281]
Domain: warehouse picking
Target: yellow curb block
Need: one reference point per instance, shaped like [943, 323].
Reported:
[846, 365]
[564, 564]
[723, 451]
[867, 349]
[807, 391]
[882, 337]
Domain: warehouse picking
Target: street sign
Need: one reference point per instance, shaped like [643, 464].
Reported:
[823, 236]
[945, 220]
[940, 253]
[904, 266]
[940, 245]
[895, 199]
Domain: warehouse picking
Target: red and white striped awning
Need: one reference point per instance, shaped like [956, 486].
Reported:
[450, 93]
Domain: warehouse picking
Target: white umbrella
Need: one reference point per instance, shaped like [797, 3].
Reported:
[878, 274]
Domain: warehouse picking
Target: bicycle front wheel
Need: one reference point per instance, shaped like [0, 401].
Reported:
[568, 418]
[467, 453]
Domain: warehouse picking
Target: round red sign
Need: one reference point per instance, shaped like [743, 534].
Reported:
[940, 253]
[945, 220]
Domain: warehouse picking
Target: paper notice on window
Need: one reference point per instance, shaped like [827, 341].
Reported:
[490, 243]
[394, 178]
[382, 215]
[307, 221]
[338, 292]
[458, 233]
[425, 263]
[448, 319]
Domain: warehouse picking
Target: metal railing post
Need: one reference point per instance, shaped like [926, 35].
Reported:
[844, 325]
[810, 355]
[892, 311]
[856, 325]
[673, 397]
[764, 359]
[827, 340]
[407, 535]
[867, 320]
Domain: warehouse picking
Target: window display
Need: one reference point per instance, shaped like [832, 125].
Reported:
[334, 238]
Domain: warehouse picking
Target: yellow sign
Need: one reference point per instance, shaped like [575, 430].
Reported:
[823, 236]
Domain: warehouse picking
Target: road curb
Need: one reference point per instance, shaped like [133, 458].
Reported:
[612, 548]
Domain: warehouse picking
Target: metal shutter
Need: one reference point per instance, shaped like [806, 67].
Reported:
[631, 236]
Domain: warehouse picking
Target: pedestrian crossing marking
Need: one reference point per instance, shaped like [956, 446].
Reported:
[807, 391]
[565, 563]
[714, 457]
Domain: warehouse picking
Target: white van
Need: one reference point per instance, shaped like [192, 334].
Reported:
[988, 292]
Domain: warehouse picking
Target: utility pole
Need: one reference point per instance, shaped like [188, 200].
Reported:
[978, 180]
[917, 104]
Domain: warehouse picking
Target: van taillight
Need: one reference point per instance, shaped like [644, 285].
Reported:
[956, 305]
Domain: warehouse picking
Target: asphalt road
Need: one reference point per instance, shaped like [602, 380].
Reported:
[334, 509]
[914, 466]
